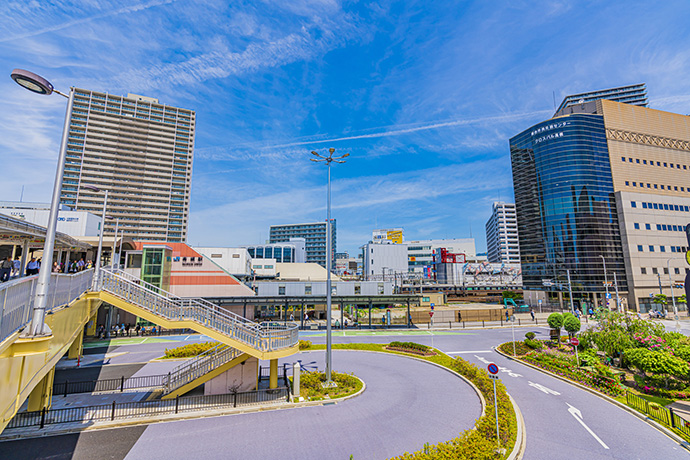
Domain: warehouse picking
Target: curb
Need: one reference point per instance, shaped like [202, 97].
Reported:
[521, 437]
[682, 442]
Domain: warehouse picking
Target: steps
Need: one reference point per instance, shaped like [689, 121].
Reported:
[201, 369]
[262, 340]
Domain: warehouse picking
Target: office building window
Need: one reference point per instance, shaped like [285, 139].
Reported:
[665, 270]
[651, 248]
[637, 226]
[640, 248]
[676, 271]
[643, 270]
[647, 227]
[633, 204]
[662, 248]
[655, 271]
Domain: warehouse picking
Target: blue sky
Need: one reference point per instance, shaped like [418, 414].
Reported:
[423, 95]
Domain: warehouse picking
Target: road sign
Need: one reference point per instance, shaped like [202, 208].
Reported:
[492, 368]
[574, 341]
[431, 313]
[492, 376]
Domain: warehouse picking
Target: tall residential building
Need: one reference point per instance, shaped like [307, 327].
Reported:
[606, 186]
[632, 94]
[502, 235]
[139, 150]
[314, 234]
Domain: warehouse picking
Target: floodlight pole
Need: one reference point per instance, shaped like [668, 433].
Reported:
[606, 280]
[329, 159]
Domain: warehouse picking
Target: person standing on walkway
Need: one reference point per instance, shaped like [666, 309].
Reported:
[6, 269]
[531, 312]
[32, 267]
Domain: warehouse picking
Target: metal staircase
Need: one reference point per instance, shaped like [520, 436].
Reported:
[254, 338]
[200, 369]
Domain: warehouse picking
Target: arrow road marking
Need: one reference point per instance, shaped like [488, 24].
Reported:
[502, 369]
[578, 416]
[466, 352]
[543, 388]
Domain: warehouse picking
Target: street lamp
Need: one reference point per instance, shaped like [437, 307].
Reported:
[328, 160]
[606, 280]
[112, 258]
[673, 296]
[40, 85]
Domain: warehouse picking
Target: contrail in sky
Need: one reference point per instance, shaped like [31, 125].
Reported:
[397, 132]
[64, 25]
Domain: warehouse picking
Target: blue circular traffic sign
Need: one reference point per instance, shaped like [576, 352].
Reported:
[493, 369]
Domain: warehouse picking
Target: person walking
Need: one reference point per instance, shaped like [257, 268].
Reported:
[6, 269]
[32, 267]
[531, 312]
[16, 267]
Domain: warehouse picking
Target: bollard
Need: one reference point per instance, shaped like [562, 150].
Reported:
[463, 325]
[501, 321]
[483, 323]
[519, 323]
[112, 414]
[234, 399]
[450, 326]
[296, 380]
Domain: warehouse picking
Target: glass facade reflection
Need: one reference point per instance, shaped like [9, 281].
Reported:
[565, 204]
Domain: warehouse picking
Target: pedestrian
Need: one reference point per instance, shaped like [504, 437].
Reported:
[101, 331]
[32, 267]
[306, 316]
[137, 329]
[6, 269]
[80, 264]
[292, 317]
[507, 315]
[153, 330]
[127, 329]
[16, 267]
[56, 267]
[531, 312]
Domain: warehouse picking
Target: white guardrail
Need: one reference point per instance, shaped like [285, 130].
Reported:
[17, 297]
[260, 336]
[198, 366]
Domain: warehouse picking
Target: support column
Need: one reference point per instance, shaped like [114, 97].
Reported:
[342, 316]
[67, 260]
[369, 313]
[25, 254]
[301, 317]
[77, 346]
[273, 379]
[560, 299]
[42, 394]
[59, 258]
[14, 251]
[91, 329]
[409, 322]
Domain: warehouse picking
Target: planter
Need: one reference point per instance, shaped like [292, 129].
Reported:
[411, 351]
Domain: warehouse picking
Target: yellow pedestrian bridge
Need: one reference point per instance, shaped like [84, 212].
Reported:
[27, 364]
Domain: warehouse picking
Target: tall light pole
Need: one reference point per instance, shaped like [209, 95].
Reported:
[40, 85]
[673, 296]
[112, 258]
[329, 256]
[606, 280]
[570, 293]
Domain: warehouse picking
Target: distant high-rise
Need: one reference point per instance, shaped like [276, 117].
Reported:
[315, 235]
[632, 94]
[139, 150]
[501, 234]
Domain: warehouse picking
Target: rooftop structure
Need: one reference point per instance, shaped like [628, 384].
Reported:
[632, 94]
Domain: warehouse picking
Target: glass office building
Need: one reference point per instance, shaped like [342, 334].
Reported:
[566, 207]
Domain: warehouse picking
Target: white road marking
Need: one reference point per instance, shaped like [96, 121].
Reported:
[463, 352]
[541, 387]
[502, 369]
[145, 340]
[578, 416]
[187, 338]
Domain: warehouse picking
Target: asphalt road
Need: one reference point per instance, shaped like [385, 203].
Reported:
[406, 403]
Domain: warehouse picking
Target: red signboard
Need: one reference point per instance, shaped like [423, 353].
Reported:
[574, 341]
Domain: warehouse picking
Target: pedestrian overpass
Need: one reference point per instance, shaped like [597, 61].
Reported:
[27, 364]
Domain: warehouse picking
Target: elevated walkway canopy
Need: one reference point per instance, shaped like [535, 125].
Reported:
[15, 231]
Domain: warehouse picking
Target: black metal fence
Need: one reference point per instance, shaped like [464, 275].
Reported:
[148, 333]
[118, 384]
[661, 414]
[129, 410]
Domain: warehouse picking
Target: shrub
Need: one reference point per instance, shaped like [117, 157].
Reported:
[571, 323]
[530, 335]
[534, 344]
[656, 362]
[555, 320]
[187, 351]
[520, 348]
[304, 344]
[410, 346]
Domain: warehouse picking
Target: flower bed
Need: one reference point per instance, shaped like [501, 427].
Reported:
[412, 348]
[188, 351]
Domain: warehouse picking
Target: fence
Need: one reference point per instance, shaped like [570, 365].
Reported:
[129, 410]
[16, 297]
[661, 414]
[119, 384]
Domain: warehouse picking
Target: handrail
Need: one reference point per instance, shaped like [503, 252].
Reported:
[198, 366]
[263, 337]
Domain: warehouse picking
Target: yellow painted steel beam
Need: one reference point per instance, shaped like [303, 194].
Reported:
[206, 377]
[273, 377]
[189, 324]
[25, 362]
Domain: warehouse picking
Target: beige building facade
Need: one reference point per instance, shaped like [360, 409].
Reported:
[649, 152]
[141, 151]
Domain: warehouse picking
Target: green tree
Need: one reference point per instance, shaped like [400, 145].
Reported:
[657, 362]
[571, 323]
[511, 295]
[555, 320]
[682, 299]
[660, 299]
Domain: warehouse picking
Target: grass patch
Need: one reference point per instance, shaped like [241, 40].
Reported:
[311, 385]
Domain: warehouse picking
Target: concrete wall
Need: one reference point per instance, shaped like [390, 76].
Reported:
[242, 377]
